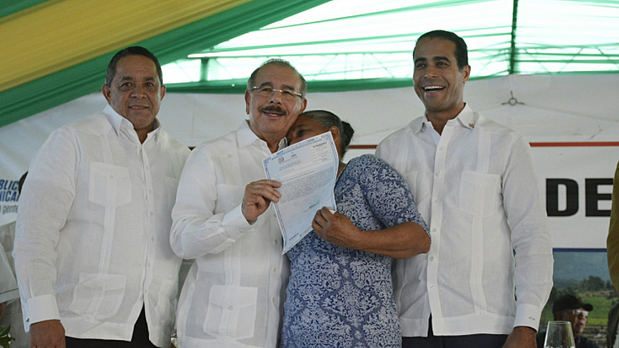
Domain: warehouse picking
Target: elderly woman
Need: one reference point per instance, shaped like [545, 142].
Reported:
[339, 292]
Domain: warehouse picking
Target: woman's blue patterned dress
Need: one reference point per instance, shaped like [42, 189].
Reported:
[339, 297]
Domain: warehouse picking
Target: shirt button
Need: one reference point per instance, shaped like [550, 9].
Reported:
[433, 229]
[230, 308]
[274, 269]
[431, 258]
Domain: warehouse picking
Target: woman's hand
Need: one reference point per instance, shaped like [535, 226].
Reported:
[336, 228]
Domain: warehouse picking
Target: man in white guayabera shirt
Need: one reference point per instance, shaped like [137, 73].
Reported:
[222, 219]
[92, 250]
[488, 273]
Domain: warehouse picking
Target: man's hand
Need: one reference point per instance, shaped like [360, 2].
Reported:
[47, 334]
[521, 337]
[336, 228]
[258, 195]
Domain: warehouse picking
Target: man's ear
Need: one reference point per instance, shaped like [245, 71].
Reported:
[247, 100]
[467, 72]
[163, 90]
[105, 90]
[303, 105]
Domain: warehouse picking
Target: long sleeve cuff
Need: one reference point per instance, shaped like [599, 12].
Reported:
[40, 308]
[528, 315]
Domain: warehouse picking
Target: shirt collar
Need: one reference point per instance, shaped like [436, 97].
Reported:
[467, 118]
[418, 124]
[245, 137]
[118, 122]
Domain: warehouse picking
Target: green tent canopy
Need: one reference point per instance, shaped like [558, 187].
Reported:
[337, 45]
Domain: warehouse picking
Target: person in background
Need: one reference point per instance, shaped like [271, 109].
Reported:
[571, 308]
[92, 252]
[231, 296]
[13, 316]
[488, 273]
[339, 292]
[612, 253]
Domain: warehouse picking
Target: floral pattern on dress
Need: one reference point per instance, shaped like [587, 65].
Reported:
[339, 297]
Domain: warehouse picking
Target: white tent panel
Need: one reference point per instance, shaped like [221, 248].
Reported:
[555, 108]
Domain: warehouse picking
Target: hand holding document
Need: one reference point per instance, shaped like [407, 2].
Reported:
[307, 171]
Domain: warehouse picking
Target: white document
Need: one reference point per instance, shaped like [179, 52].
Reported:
[307, 171]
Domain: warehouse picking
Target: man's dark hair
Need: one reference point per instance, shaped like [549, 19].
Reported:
[131, 51]
[328, 120]
[462, 55]
[251, 82]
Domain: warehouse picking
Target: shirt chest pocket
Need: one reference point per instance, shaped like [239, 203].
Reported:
[480, 193]
[231, 311]
[109, 185]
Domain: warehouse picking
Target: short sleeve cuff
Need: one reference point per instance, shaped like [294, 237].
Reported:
[235, 223]
[528, 315]
[41, 308]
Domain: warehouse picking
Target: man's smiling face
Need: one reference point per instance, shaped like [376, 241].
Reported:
[135, 92]
[272, 115]
[438, 81]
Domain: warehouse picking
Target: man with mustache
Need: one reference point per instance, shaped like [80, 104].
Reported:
[92, 251]
[488, 273]
[232, 294]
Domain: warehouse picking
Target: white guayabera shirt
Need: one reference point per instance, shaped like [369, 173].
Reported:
[232, 294]
[475, 187]
[92, 236]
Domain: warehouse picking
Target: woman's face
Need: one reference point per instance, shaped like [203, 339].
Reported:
[304, 128]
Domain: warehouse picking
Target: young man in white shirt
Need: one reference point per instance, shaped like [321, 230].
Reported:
[489, 270]
[232, 294]
[92, 252]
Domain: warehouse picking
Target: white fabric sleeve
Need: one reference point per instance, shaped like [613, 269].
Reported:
[196, 229]
[40, 308]
[530, 237]
[44, 206]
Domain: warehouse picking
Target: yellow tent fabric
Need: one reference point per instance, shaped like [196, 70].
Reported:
[58, 34]
[58, 50]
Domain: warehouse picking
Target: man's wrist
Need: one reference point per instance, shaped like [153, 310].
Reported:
[525, 330]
